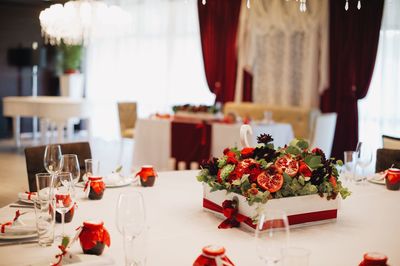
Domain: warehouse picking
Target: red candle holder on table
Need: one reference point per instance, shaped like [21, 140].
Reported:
[213, 256]
[374, 259]
[93, 238]
[393, 179]
[147, 176]
[96, 187]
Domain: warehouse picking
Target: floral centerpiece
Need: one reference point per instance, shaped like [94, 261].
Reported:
[212, 109]
[264, 173]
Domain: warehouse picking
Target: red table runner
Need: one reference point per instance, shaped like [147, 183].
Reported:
[190, 142]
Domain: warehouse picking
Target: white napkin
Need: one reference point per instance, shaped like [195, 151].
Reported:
[18, 227]
[87, 260]
[115, 179]
[24, 196]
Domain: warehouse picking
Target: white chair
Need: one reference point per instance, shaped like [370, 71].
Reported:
[390, 142]
[324, 132]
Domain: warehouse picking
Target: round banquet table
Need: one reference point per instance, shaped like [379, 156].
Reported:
[178, 227]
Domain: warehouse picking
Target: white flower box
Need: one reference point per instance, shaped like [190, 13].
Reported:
[301, 210]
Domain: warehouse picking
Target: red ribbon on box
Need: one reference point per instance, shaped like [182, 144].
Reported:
[293, 219]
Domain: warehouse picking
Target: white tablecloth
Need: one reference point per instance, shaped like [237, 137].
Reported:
[153, 139]
[178, 227]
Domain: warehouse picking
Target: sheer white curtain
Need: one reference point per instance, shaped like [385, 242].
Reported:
[158, 64]
[379, 112]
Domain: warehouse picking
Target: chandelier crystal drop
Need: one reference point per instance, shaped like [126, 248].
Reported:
[76, 22]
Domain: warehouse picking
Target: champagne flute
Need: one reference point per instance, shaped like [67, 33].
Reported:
[272, 234]
[63, 195]
[131, 222]
[71, 165]
[53, 159]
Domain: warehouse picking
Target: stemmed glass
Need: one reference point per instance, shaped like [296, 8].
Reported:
[71, 165]
[131, 222]
[63, 194]
[272, 235]
[364, 159]
[53, 159]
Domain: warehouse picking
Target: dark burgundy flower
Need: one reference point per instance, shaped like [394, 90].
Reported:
[211, 165]
[319, 152]
[226, 150]
[264, 138]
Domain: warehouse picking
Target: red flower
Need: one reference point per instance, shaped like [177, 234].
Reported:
[219, 179]
[247, 152]
[226, 150]
[231, 158]
[304, 169]
[332, 180]
[317, 151]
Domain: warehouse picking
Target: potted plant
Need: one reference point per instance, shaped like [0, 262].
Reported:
[71, 80]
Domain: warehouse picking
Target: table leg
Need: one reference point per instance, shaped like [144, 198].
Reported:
[17, 130]
[44, 127]
[60, 131]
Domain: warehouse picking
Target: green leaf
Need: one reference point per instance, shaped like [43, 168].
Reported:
[226, 170]
[222, 161]
[313, 161]
[302, 144]
[293, 150]
[236, 182]
[118, 169]
[301, 180]
[65, 241]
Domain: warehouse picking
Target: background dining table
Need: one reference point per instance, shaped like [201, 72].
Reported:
[153, 139]
[178, 227]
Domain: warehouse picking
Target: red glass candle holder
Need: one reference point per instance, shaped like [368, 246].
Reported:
[212, 256]
[96, 187]
[374, 259]
[393, 179]
[147, 176]
[94, 237]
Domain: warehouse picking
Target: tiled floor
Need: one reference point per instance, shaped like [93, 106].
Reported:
[13, 175]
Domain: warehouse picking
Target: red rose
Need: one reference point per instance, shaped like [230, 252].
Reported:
[247, 152]
[231, 158]
[226, 150]
[304, 169]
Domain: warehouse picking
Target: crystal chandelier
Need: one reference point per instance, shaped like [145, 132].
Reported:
[76, 22]
[302, 4]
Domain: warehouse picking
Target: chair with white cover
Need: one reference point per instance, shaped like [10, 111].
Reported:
[390, 142]
[324, 132]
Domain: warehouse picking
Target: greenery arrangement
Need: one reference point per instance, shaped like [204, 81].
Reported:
[70, 57]
[264, 173]
[212, 109]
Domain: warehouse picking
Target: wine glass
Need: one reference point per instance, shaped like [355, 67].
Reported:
[272, 234]
[63, 193]
[53, 159]
[364, 159]
[131, 222]
[71, 165]
[350, 163]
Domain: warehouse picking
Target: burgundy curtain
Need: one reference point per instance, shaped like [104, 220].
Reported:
[354, 36]
[218, 29]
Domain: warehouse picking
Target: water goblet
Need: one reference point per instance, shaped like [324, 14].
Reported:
[131, 223]
[52, 159]
[63, 193]
[364, 159]
[272, 234]
[350, 162]
[71, 165]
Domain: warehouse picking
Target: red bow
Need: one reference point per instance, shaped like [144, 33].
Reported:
[30, 194]
[60, 256]
[233, 217]
[3, 226]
